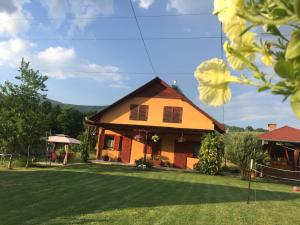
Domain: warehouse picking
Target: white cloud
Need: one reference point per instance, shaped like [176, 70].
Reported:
[145, 4]
[7, 6]
[57, 62]
[189, 6]
[259, 109]
[12, 51]
[81, 13]
[56, 10]
[13, 19]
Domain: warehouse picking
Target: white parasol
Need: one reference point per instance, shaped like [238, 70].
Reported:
[60, 138]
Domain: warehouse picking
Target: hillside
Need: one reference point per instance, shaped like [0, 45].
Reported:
[81, 108]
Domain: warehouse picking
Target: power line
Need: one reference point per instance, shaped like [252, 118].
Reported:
[121, 39]
[141, 34]
[114, 17]
[112, 72]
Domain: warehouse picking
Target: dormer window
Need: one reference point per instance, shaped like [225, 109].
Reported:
[172, 114]
[139, 112]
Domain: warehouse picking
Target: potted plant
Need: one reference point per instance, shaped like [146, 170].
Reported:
[155, 138]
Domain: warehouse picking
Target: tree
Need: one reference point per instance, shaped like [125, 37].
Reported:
[70, 121]
[241, 147]
[249, 128]
[210, 155]
[242, 20]
[21, 116]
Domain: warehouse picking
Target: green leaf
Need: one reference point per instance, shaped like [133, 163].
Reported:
[271, 28]
[284, 69]
[295, 103]
[263, 88]
[293, 48]
[279, 13]
[297, 7]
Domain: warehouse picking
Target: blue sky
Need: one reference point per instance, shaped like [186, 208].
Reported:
[92, 52]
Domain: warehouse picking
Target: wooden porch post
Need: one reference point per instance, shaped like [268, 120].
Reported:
[100, 143]
[296, 158]
[145, 146]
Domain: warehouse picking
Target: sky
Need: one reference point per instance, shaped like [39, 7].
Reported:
[93, 54]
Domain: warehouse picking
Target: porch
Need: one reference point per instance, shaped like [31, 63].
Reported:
[163, 147]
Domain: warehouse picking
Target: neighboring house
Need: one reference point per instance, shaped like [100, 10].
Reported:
[282, 145]
[127, 127]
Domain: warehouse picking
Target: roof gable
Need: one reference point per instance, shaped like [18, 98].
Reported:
[159, 89]
[284, 134]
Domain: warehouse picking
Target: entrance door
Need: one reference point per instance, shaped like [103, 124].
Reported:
[155, 149]
[181, 151]
[126, 150]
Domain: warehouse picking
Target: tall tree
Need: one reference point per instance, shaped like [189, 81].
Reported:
[22, 120]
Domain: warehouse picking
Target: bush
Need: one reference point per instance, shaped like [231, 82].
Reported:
[141, 164]
[240, 148]
[85, 146]
[210, 155]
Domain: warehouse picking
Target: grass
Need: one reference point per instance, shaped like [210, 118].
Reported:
[100, 194]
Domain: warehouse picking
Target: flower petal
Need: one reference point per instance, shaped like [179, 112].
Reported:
[214, 77]
[295, 103]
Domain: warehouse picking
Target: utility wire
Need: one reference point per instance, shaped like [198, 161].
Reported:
[144, 43]
[122, 39]
[117, 72]
[115, 17]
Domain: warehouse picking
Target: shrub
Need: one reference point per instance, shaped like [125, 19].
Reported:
[210, 155]
[141, 164]
[105, 158]
[240, 148]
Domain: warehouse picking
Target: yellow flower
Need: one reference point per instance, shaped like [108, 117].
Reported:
[267, 59]
[214, 77]
[244, 47]
[295, 103]
[234, 29]
[227, 12]
[227, 9]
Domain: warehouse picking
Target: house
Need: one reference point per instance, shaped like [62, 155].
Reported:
[282, 145]
[156, 121]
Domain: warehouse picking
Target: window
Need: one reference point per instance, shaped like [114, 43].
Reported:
[172, 114]
[109, 142]
[139, 112]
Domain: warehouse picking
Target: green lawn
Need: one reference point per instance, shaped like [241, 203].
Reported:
[99, 194]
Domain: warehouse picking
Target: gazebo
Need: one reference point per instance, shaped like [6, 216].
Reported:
[63, 139]
[282, 145]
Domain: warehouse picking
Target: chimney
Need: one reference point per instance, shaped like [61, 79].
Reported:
[272, 126]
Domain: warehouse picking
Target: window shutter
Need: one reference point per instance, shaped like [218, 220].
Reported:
[116, 142]
[177, 114]
[167, 114]
[134, 112]
[143, 112]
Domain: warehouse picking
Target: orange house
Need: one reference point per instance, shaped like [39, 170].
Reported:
[156, 122]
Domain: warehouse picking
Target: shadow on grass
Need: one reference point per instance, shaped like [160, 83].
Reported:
[42, 195]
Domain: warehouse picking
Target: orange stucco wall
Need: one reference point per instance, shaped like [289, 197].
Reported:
[112, 154]
[191, 117]
[190, 162]
[167, 147]
[137, 151]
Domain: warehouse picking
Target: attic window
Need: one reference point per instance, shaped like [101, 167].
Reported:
[172, 114]
[138, 112]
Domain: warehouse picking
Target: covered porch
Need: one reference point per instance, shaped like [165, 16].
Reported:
[162, 146]
[283, 146]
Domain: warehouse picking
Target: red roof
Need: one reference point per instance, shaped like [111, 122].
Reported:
[283, 134]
